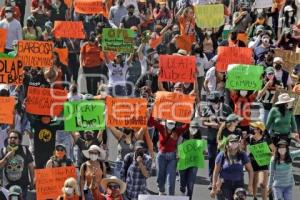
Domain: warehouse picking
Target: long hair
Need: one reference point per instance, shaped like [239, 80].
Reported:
[287, 158]
[71, 182]
[226, 153]
[282, 109]
[286, 17]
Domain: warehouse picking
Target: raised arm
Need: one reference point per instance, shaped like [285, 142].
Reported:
[116, 133]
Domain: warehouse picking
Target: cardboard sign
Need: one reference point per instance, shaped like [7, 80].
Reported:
[118, 40]
[84, 115]
[126, 112]
[164, 197]
[3, 33]
[263, 3]
[205, 18]
[244, 77]
[50, 181]
[261, 153]
[177, 68]
[63, 54]
[11, 71]
[68, 29]
[45, 101]
[233, 55]
[290, 58]
[173, 106]
[35, 53]
[88, 7]
[191, 154]
[7, 110]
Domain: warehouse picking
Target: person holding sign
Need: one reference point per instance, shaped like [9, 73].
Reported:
[59, 159]
[258, 136]
[281, 180]
[228, 173]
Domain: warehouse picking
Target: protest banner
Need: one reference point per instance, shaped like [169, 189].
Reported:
[184, 42]
[50, 181]
[126, 112]
[205, 18]
[290, 58]
[45, 101]
[173, 106]
[164, 197]
[89, 7]
[68, 29]
[84, 115]
[233, 55]
[263, 3]
[244, 77]
[191, 154]
[7, 106]
[11, 71]
[177, 68]
[261, 153]
[63, 54]
[118, 40]
[35, 53]
[3, 33]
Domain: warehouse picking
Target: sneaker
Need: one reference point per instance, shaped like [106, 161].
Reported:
[161, 193]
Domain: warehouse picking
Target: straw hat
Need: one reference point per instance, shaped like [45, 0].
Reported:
[278, 60]
[284, 98]
[95, 148]
[258, 124]
[113, 179]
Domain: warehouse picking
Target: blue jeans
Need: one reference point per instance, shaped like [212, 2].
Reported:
[187, 180]
[166, 169]
[212, 149]
[117, 169]
[283, 193]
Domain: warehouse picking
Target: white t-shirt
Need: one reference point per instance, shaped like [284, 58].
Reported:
[117, 74]
[143, 65]
[201, 64]
[278, 75]
[75, 97]
[211, 78]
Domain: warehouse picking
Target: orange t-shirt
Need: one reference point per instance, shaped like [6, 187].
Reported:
[187, 27]
[90, 55]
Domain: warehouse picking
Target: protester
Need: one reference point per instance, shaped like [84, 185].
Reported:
[113, 187]
[70, 190]
[59, 159]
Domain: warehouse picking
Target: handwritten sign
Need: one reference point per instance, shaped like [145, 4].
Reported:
[261, 153]
[177, 68]
[233, 55]
[126, 112]
[68, 29]
[164, 197]
[50, 181]
[35, 53]
[290, 58]
[63, 55]
[263, 3]
[173, 106]
[11, 71]
[84, 115]
[45, 101]
[205, 18]
[191, 154]
[7, 110]
[88, 7]
[3, 33]
[244, 77]
[118, 40]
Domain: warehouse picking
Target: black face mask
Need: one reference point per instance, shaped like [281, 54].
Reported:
[130, 13]
[278, 66]
[89, 137]
[74, 90]
[233, 36]
[199, 51]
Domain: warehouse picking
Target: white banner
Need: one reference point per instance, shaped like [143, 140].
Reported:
[156, 197]
[263, 3]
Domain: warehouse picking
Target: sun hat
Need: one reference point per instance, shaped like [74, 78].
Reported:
[277, 59]
[258, 124]
[95, 148]
[284, 98]
[113, 179]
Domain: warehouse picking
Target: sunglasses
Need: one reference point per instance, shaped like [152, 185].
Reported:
[60, 149]
[113, 186]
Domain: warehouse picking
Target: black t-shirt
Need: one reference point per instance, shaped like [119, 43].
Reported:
[58, 14]
[129, 21]
[16, 169]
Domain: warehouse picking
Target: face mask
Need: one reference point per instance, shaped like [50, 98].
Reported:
[266, 40]
[8, 15]
[69, 190]
[13, 3]
[170, 126]
[243, 93]
[277, 66]
[282, 151]
[215, 106]
[259, 10]
[233, 145]
[89, 137]
[93, 157]
[208, 33]
[59, 154]
[193, 131]
[290, 14]
[270, 76]
[290, 105]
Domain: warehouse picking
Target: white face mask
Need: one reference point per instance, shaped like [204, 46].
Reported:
[290, 14]
[193, 131]
[243, 93]
[266, 40]
[8, 15]
[13, 3]
[93, 157]
[69, 190]
[290, 105]
[259, 10]
[209, 33]
[170, 125]
[282, 151]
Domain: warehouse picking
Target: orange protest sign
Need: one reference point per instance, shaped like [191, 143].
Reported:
[177, 68]
[45, 101]
[154, 42]
[68, 29]
[68, 3]
[89, 7]
[126, 112]
[173, 106]
[35, 53]
[50, 181]
[7, 110]
[11, 71]
[185, 42]
[63, 55]
[243, 37]
[3, 33]
[233, 55]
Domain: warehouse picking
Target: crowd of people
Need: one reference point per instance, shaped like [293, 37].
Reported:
[225, 115]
